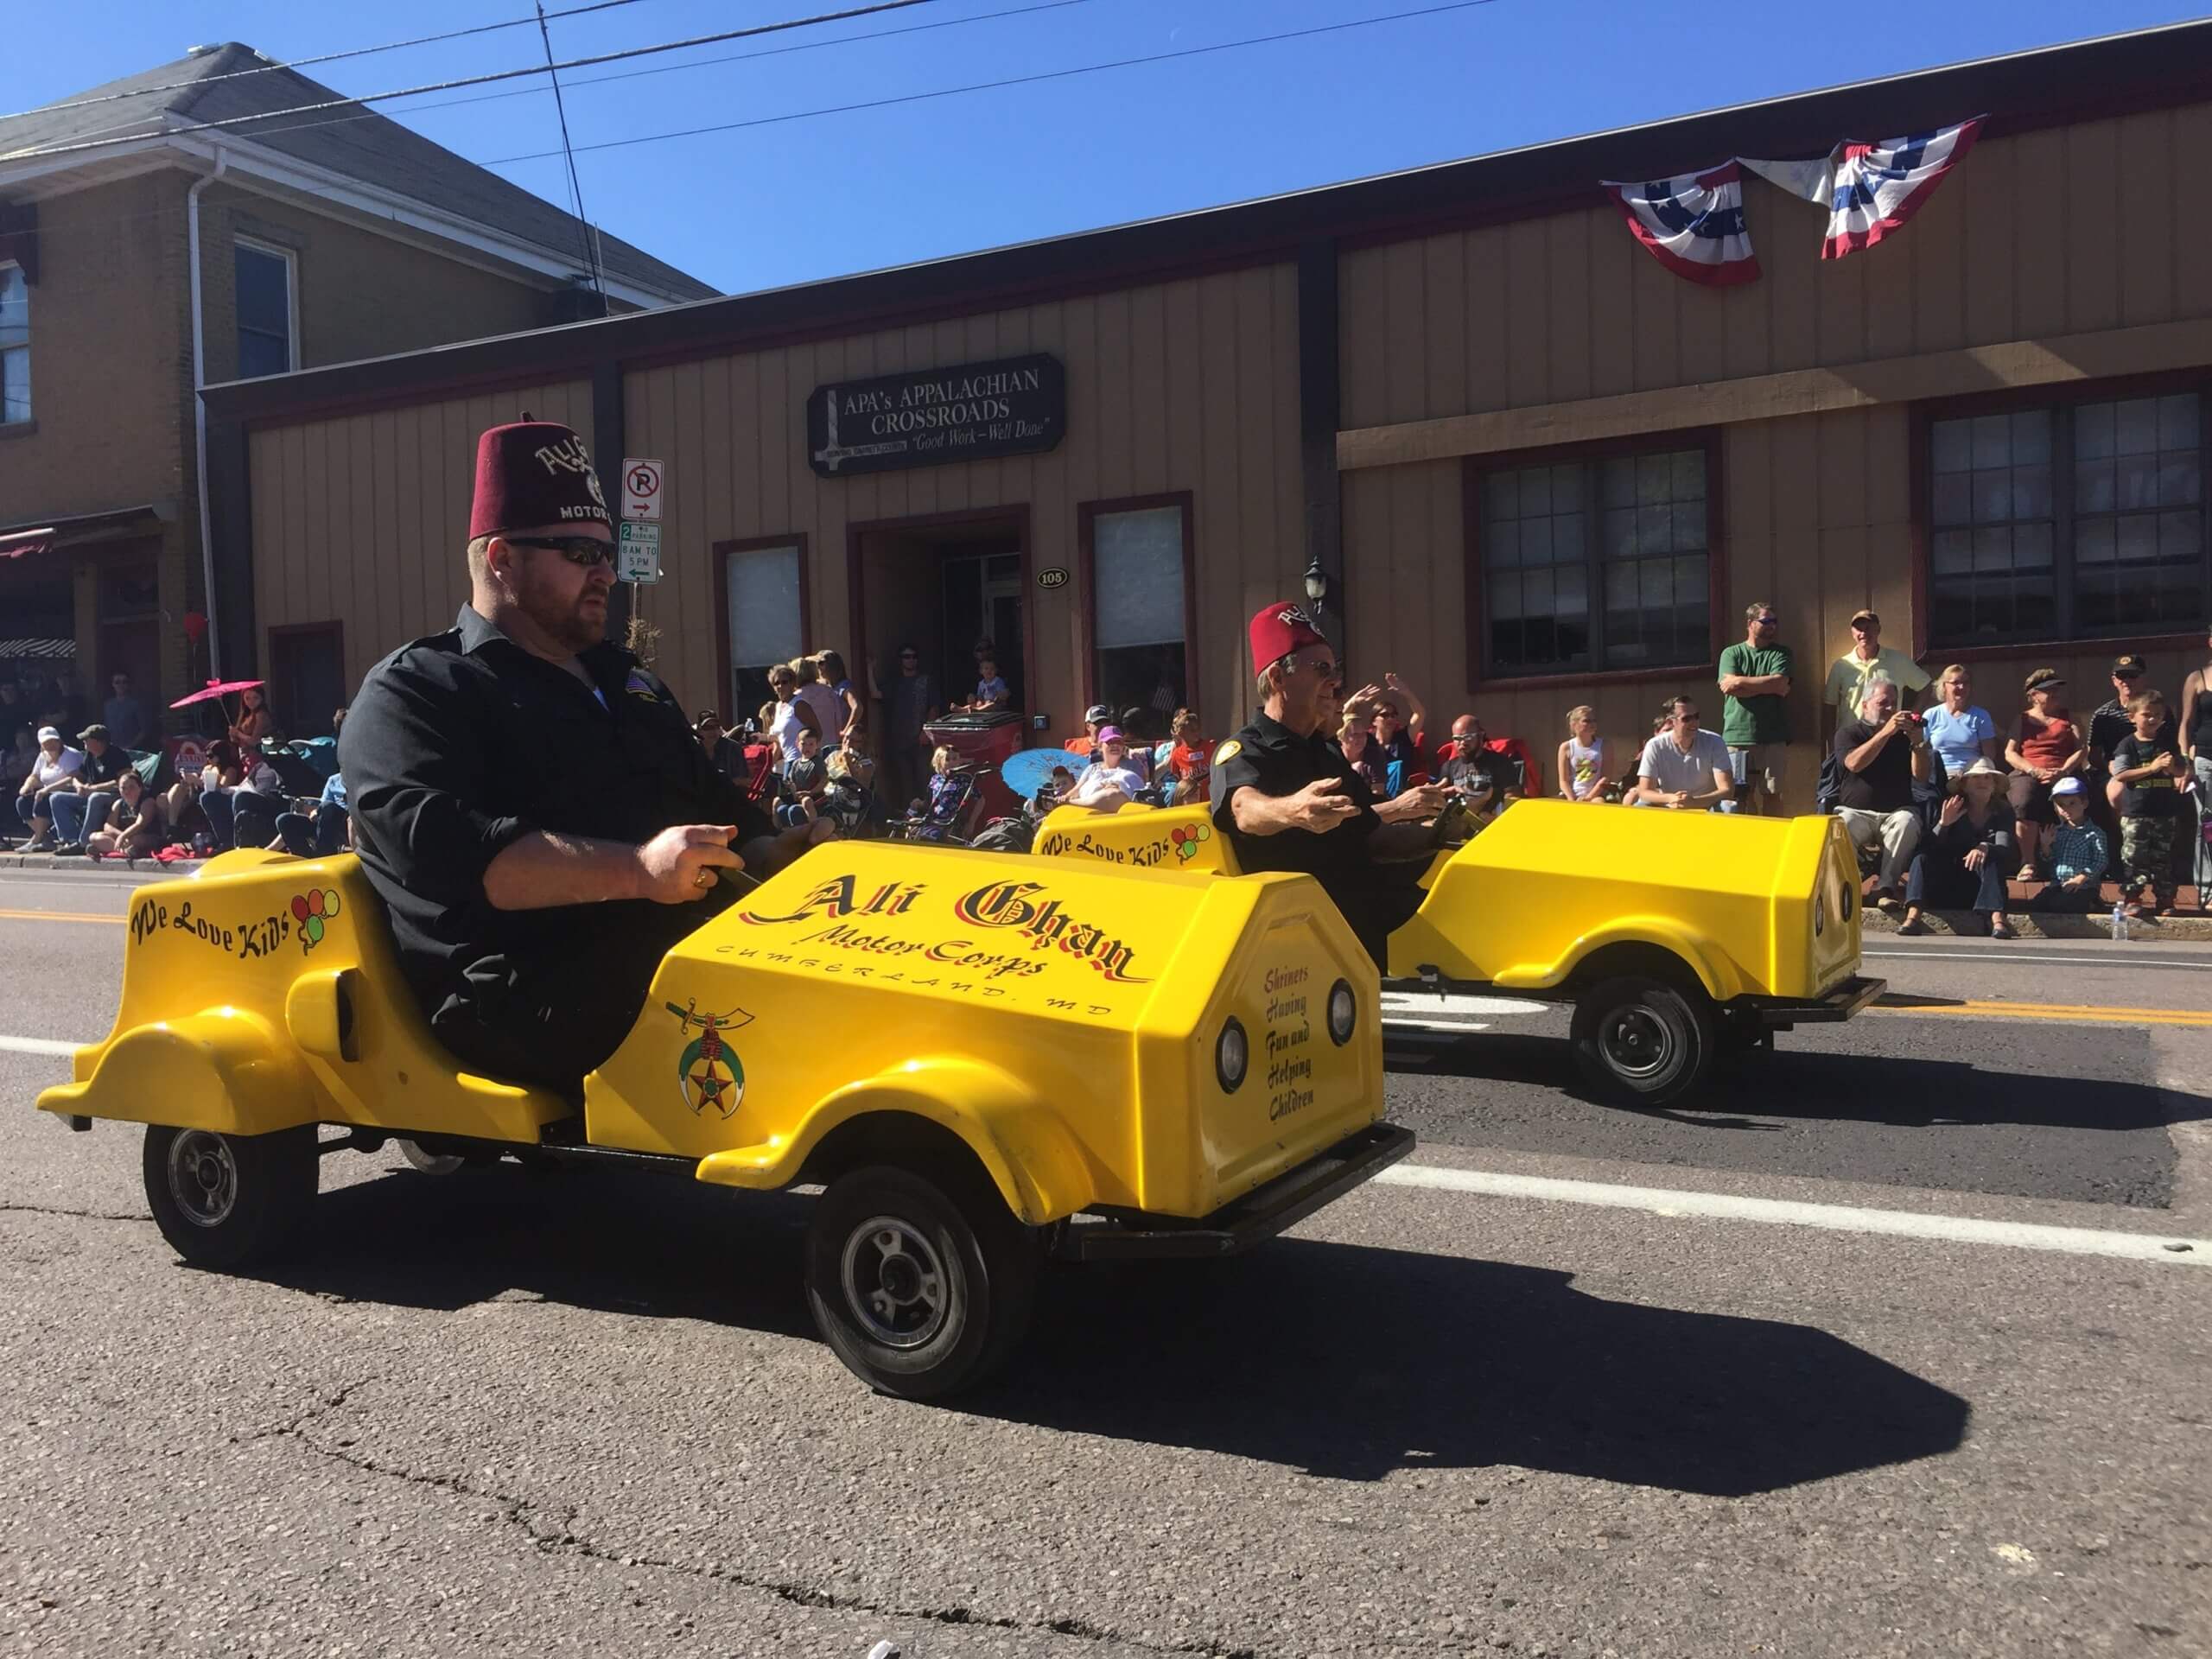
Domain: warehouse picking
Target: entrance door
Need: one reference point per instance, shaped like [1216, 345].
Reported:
[942, 584]
[983, 600]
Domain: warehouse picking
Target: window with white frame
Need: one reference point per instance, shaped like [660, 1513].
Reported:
[1137, 622]
[1588, 565]
[265, 311]
[14, 345]
[2069, 521]
[766, 627]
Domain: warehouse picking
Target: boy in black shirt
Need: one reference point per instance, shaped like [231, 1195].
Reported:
[2147, 766]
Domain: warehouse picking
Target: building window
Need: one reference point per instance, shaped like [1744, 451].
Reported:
[14, 345]
[307, 677]
[264, 311]
[1137, 577]
[2067, 522]
[763, 610]
[1589, 565]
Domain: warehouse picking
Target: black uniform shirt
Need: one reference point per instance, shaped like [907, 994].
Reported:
[1268, 756]
[459, 745]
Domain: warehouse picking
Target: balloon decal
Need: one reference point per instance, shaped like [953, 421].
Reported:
[1187, 840]
[311, 910]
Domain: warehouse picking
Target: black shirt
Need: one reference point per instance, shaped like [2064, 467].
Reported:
[2109, 725]
[103, 769]
[1885, 786]
[459, 745]
[1268, 756]
[2157, 796]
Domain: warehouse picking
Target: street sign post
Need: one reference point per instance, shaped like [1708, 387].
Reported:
[638, 553]
[641, 489]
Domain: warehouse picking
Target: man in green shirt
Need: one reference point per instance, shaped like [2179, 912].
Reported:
[1755, 721]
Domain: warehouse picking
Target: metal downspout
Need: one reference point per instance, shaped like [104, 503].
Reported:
[200, 415]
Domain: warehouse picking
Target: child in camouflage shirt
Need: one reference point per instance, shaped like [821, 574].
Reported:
[2149, 768]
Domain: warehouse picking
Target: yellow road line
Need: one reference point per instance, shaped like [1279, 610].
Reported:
[59, 915]
[2071, 1014]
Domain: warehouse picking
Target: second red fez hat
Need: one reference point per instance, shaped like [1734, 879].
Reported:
[533, 472]
[1277, 630]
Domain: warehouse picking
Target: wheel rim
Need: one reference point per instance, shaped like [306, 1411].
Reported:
[895, 1282]
[1636, 1042]
[203, 1176]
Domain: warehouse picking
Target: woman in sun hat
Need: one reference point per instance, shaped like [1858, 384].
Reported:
[1964, 863]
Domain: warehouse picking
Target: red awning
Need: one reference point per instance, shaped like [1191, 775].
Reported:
[25, 542]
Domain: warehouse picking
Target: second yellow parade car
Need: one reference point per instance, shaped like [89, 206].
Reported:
[1029, 1061]
[1676, 936]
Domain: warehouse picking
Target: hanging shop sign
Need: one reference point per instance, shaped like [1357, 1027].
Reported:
[976, 411]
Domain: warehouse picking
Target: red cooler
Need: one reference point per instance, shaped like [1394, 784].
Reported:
[982, 739]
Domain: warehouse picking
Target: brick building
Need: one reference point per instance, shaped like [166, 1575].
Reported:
[1534, 466]
[318, 244]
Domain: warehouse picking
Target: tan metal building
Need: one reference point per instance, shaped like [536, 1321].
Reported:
[1535, 467]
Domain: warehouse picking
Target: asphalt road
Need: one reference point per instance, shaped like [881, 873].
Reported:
[1759, 1413]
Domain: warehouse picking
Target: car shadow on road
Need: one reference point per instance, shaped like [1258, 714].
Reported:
[1345, 1361]
[1892, 1090]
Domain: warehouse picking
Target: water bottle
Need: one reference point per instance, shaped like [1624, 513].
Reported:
[2119, 921]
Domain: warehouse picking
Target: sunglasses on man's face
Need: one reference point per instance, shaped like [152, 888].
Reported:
[586, 550]
[1333, 672]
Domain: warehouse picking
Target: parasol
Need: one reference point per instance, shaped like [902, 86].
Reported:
[215, 688]
[1026, 773]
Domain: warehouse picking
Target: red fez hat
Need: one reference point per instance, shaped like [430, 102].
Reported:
[533, 472]
[1277, 630]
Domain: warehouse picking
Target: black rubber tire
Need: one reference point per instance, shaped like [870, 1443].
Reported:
[230, 1201]
[987, 1267]
[1672, 1025]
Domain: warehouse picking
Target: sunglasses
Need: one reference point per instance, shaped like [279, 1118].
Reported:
[586, 550]
[1764, 621]
[1333, 672]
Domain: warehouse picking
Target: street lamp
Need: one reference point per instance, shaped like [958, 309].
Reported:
[1317, 580]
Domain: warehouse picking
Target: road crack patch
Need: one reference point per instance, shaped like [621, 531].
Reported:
[561, 1537]
[71, 1215]
[293, 1425]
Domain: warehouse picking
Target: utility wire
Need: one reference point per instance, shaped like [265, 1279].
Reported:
[596, 81]
[575, 188]
[326, 57]
[39, 152]
[991, 86]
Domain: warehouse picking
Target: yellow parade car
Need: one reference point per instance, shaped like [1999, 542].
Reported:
[1676, 936]
[1029, 1062]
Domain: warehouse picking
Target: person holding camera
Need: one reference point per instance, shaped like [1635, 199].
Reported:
[2045, 746]
[1883, 754]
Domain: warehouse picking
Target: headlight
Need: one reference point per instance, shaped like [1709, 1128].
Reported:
[1343, 1012]
[1231, 1055]
[1820, 912]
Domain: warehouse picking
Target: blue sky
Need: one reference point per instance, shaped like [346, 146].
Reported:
[812, 197]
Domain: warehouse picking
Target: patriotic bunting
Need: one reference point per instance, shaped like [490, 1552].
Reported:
[1870, 189]
[1694, 225]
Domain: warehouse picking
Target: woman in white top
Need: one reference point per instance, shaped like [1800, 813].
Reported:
[793, 714]
[1107, 784]
[57, 763]
[1582, 768]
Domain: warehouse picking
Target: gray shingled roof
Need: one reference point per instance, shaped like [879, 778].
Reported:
[370, 147]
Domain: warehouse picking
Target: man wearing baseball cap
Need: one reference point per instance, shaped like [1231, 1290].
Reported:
[1847, 675]
[530, 803]
[1095, 718]
[1287, 799]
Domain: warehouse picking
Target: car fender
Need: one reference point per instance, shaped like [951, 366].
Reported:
[222, 1068]
[1037, 1166]
[1715, 972]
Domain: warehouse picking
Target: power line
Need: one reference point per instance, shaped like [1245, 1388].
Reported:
[326, 57]
[597, 80]
[992, 86]
[575, 187]
[39, 152]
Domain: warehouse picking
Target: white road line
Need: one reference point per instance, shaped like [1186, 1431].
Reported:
[38, 1045]
[1391, 1025]
[1834, 1217]
[1431, 1002]
[2022, 959]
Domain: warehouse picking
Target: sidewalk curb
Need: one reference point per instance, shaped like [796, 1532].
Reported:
[107, 868]
[1966, 924]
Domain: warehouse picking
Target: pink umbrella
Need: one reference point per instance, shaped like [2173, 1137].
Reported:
[215, 688]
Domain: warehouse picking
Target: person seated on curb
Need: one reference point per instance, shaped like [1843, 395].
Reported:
[1881, 753]
[2045, 746]
[1109, 783]
[1285, 799]
[81, 804]
[1684, 768]
[51, 773]
[138, 826]
[324, 828]
[1964, 863]
[2078, 851]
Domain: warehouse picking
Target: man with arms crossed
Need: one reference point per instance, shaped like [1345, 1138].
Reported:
[531, 803]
